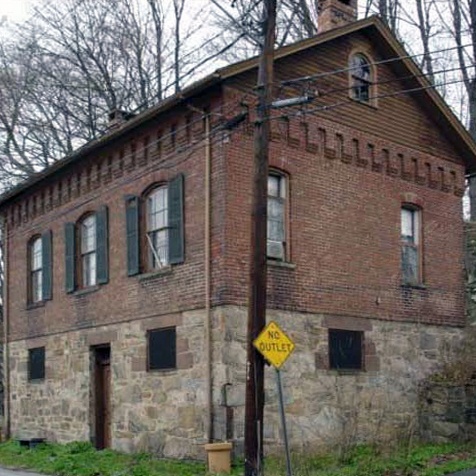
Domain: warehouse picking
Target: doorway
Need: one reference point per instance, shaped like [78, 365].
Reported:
[102, 396]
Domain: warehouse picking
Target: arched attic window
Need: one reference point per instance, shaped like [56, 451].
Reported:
[361, 79]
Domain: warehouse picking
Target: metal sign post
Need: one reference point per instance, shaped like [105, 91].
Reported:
[276, 347]
[283, 422]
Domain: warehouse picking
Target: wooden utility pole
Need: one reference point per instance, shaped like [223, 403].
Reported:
[257, 286]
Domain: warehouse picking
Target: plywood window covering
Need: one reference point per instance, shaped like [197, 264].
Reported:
[276, 247]
[345, 349]
[361, 78]
[410, 239]
[36, 363]
[162, 349]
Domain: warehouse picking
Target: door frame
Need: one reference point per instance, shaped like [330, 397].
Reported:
[101, 395]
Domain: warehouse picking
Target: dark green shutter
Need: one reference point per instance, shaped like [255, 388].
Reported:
[46, 265]
[176, 232]
[70, 256]
[102, 245]
[132, 234]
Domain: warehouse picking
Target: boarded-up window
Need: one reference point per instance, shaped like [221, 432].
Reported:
[410, 238]
[36, 363]
[345, 349]
[162, 352]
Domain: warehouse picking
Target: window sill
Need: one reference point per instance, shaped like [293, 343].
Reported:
[413, 286]
[35, 305]
[36, 381]
[84, 291]
[371, 105]
[163, 371]
[346, 371]
[280, 264]
[156, 273]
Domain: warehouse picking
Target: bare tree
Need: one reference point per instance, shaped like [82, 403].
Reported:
[77, 60]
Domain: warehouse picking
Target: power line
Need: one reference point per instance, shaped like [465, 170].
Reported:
[352, 101]
[393, 80]
[347, 69]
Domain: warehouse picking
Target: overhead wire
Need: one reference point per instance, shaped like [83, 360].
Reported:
[347, 69]
[353, 101]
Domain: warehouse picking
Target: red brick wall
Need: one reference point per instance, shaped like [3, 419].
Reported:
[123, 298]
[344, 214]
[344, 225]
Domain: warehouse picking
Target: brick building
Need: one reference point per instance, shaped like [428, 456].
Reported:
[127, 262]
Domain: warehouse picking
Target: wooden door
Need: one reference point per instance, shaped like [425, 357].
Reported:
[102, 390]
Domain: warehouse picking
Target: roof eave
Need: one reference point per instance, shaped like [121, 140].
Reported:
[108, 137]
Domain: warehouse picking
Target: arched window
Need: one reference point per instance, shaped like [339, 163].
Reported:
[88, 246]
[40, 268]
[157, 227]
[36, 270]
[360, 78]
[86, 251]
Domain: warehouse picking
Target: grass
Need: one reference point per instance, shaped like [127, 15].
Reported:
[81, 459]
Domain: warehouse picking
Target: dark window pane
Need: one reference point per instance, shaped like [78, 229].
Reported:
[162, 349]
[36, 363]
[345, 349]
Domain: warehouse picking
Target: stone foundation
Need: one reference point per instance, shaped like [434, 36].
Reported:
[164, 412]
[448, 412]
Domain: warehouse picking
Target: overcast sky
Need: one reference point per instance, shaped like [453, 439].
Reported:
[15, 10]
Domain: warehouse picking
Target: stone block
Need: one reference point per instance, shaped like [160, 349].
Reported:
[372, 363]
[445, 429]
[185, 360]
[347, 323]
[139, 364]
[158, 322]
[428, 341]
[96, 337]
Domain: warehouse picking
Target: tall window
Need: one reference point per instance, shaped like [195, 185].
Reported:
[410, 238]
[39, 268]
[157, 233]
[87, 229]
[155, 227]
[276, 248]
[86, 251]
[361, 78]
[36, 270]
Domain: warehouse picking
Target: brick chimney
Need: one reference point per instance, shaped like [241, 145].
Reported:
[335, 13]
[117, 117]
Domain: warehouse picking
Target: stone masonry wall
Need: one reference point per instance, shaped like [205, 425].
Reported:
[326, 408]
[159, 411]
[165, 412]
[448, 411]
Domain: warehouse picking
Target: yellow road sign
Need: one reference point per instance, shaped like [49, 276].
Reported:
[274, 345]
